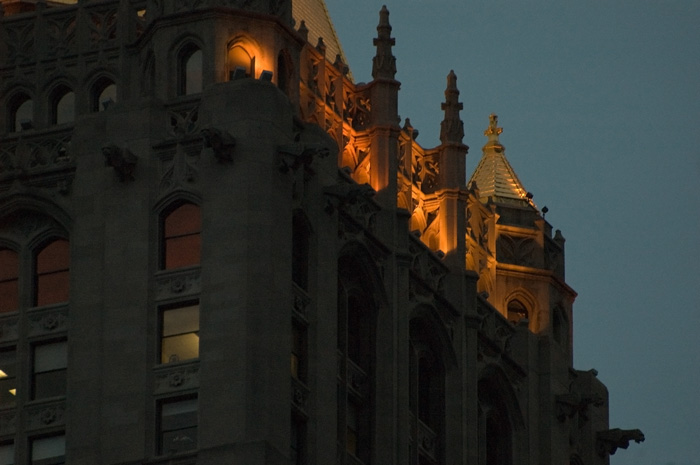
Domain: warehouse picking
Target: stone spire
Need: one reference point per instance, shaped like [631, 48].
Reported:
[452, 128]
[384, 62]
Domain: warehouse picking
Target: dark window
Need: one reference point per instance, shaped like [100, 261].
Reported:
[299, 359]
[178, 426]
[181, 239]
[104, 94]
[52, 273]
[179, 333]
[50, 364]
[8, 377]
[21, 113]
[300, 251]
[7, 453]
[49, 450]
[9, 277]
[190, 71]
[62, 106]
[298, 440]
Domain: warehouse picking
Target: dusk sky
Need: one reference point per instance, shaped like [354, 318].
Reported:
[600, 107]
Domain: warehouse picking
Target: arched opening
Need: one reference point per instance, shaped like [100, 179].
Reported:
[180, 240]
[284, 72]
[560, 327]
[426, 395]
[103, 95]
[51, 273]
[190, 70]
[239, 59]
[357, 315]
[21, 115]
[495, 425]
[62, 105]
[517, 311]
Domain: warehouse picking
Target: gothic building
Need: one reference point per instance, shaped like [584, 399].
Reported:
[216, 247]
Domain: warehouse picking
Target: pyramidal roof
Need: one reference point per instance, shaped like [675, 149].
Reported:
[493, 175]
[318, 21]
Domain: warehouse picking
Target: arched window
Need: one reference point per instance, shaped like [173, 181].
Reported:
[181, 237]
[51, 267]
[356, 348]
[104, 94]
[21, 113]
[62, 105]
[9, 278]
[516, 311]
[495, 427]
[238, 57]
[284, 71]
[427, 396]
[190, 71]
[560, 327]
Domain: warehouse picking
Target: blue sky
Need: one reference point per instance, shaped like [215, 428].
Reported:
[600, 105]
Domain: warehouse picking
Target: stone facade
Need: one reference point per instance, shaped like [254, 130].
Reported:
[233, 200]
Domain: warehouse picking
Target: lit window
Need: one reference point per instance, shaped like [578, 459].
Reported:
[7, 453]
[179, 334]
[8, 378]
[63, 106]
[49, 450]
[190, 71]
[9, 273]
[181, 239]
[50, 365]
[21, 113]
[516, 311]
[238, 57]
[52, 273]
[178, 426]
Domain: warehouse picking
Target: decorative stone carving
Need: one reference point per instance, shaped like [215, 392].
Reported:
[426, 267]
[292, 156]
[607, 442]
[122, 160]
[103, 26]
[516, 250]
[221, 142]
[180, 172]
[176, 378]
[41, 416]
[184, 122]
[61, 32]
[46, 321]
[182, 283]
[20, 42]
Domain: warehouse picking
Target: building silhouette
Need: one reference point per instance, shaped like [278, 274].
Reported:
[216, 247]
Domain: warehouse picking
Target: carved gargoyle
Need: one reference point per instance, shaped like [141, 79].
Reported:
[123, 161]
[610, 440]
[292, 156]
[579, 398]
[221, 142]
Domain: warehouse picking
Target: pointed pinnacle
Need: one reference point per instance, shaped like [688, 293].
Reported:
[452, 127]
[384, 62]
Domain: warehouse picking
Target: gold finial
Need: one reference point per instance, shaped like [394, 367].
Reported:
[493, 129]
